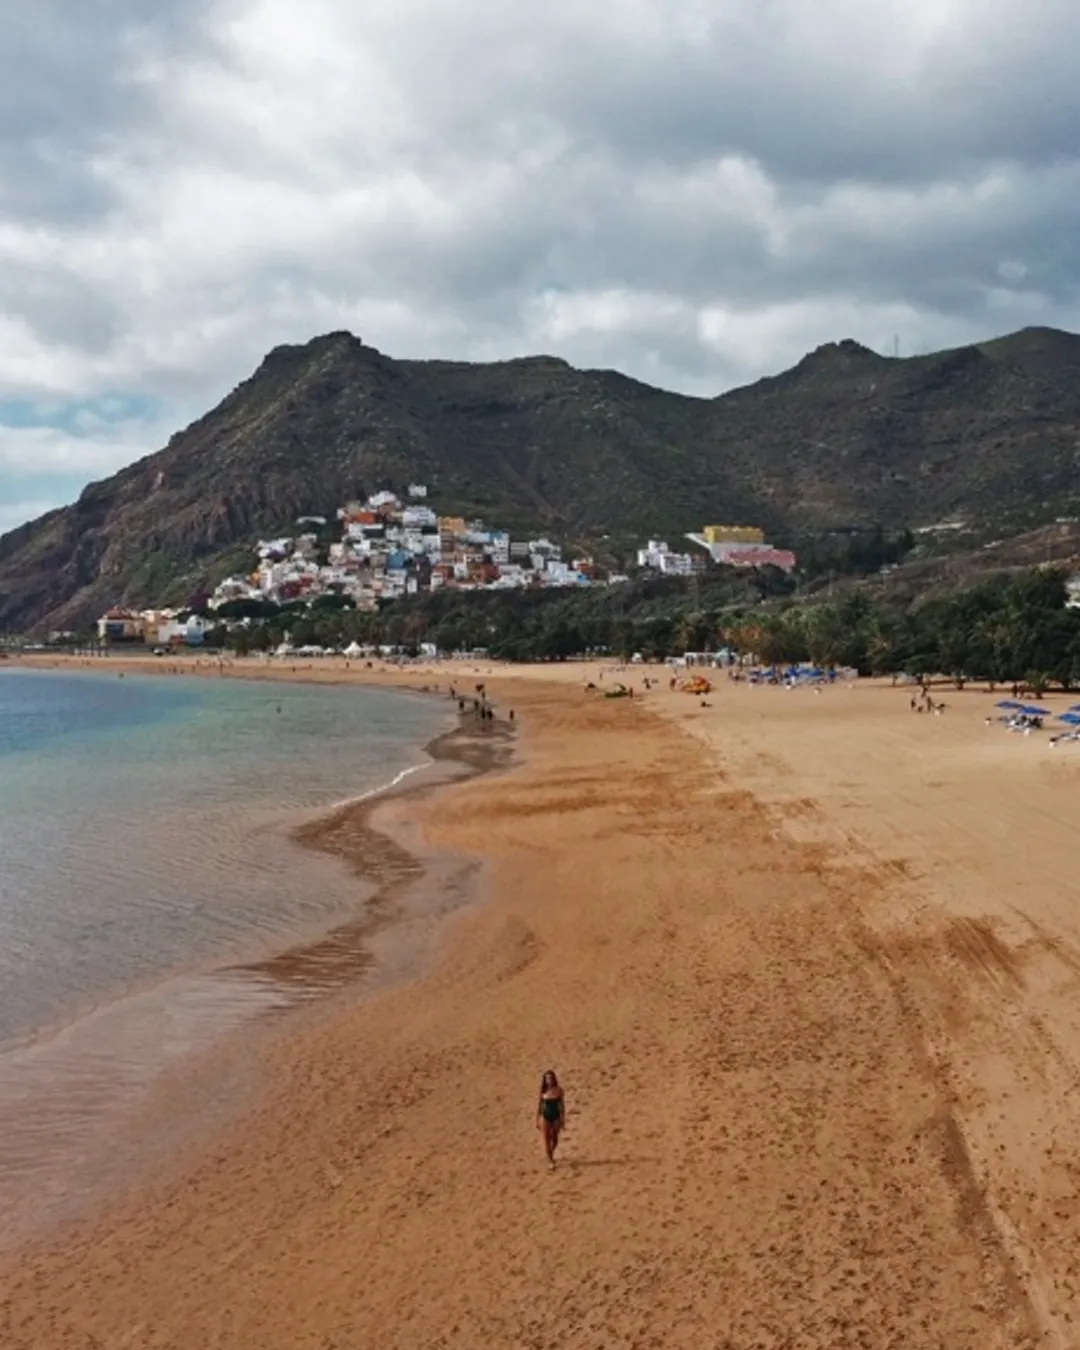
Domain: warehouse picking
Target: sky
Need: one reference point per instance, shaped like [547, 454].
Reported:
[695, 192]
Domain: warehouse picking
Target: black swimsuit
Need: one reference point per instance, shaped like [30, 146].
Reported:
[551, 1109]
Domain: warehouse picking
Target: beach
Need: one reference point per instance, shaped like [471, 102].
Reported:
[807, 967]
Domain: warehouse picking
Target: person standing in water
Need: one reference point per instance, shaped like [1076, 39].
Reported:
[551, 1113]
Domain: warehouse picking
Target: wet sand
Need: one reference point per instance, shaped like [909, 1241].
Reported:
[77, 1099]
[807, 966]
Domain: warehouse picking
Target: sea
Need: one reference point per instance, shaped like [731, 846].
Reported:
[145, 857]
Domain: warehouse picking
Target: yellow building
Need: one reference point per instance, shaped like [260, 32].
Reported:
[733, 534]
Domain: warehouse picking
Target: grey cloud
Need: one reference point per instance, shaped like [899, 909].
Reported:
[694, 192]
[66, 309]
[67, 91]
[814, 92]
[994, 94]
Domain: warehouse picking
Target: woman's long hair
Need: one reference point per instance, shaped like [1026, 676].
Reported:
[548, 1073]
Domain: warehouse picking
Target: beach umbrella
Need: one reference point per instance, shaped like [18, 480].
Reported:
[1072, 718]
[1008, 703]
[1037, 712]
[1074, 707]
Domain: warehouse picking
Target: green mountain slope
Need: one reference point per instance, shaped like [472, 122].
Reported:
[846, 437]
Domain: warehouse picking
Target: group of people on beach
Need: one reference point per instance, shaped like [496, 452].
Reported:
[479, 705]
[923, 701]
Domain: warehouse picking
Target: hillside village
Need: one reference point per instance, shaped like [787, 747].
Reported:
[385, 547]
[389, 548]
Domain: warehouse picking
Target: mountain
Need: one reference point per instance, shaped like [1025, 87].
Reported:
[928, 577]
[988, 433]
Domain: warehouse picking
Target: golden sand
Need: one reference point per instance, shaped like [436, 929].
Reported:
[808, 967]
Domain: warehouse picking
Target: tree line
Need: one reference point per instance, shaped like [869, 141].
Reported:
[1006, 630]
[1015, 630]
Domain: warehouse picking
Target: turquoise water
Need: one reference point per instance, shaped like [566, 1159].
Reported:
[143, 824]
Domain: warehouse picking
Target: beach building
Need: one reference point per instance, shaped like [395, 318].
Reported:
[188, 632]
[121, 625]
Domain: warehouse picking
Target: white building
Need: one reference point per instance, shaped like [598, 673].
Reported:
[274, 548]
[658, 556]
[650, 555]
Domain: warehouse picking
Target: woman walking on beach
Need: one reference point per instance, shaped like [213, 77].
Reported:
[550, 1113]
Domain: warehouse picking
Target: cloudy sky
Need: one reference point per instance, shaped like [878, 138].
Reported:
[693, 191]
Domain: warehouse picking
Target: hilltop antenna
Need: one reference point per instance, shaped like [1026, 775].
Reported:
[896, 345]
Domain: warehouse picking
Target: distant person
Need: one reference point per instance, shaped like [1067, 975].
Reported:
[551, 1113]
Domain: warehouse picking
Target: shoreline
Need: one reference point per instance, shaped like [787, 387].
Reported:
[378, 852]
[302, 830]
[816, 1072]
[224, 1000]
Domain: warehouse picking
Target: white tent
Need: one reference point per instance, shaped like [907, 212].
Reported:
[353, 650]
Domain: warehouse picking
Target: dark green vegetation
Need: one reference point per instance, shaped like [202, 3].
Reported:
[1013, 630]
[1004, 629]
[655, 614]
[847, 438]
